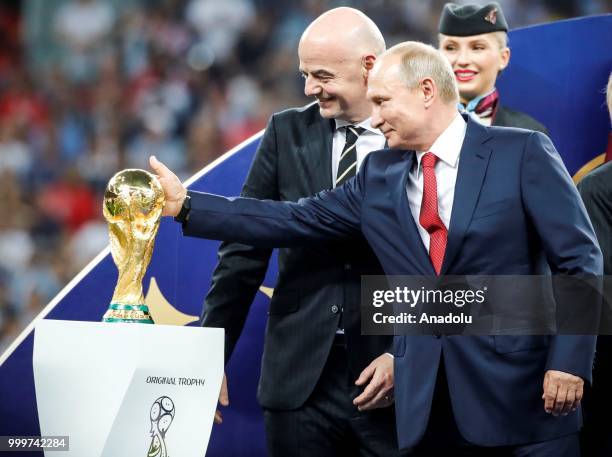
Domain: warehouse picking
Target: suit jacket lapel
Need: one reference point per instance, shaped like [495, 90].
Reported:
[473, 162]
[396, 176]
[319, 153]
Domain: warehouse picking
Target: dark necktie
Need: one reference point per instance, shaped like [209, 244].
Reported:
[347, 168]
[347, 165]
[429, 218]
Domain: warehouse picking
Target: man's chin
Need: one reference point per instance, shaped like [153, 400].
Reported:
[392, 140]
[328, 110]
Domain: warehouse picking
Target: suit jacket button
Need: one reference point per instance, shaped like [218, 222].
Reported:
[335, 309]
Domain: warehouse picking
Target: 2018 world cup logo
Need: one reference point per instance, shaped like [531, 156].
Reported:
[162, 413]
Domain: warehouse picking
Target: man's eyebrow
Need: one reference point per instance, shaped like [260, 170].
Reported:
[319, 73]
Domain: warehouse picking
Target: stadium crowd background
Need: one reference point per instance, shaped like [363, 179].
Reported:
[88, 87]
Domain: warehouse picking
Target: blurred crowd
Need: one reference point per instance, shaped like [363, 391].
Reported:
[88, 87]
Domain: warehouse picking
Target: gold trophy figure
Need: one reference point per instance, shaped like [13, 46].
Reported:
[133, 204]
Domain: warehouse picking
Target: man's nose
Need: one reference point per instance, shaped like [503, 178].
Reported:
[377, 120]
[311, 87]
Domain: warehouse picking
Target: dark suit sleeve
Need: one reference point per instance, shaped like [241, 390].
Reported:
[325, 217]
[561, 222]
[241, 268]
[595, 194]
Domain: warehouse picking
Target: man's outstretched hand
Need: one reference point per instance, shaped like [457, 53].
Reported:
[174, 190]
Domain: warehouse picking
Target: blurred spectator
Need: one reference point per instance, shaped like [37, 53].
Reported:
[102, 161]
[16, 245]
[9, 325]
[134, 48]
[9, 36]
[70, 201]
[87, 243]
[36, 284]
[239, 118]
[20, 103]
[219, 23]
[83, 27]
[156, 137]
[15, 154]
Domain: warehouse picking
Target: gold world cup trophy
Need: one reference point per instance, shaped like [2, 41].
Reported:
[133, 204]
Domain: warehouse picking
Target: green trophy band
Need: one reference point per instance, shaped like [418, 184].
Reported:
[133, 204]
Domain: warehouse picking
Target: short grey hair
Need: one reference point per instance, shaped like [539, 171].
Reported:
[419, 61]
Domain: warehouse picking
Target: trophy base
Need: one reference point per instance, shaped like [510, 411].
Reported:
[119, 312]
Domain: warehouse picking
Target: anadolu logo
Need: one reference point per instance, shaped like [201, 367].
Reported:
[162, 413]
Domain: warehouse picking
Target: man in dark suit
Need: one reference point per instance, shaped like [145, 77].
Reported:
[474, 39]
[596, 192]
[453, 197]
[313, 350]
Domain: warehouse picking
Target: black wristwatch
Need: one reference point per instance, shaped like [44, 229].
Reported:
[183, 215]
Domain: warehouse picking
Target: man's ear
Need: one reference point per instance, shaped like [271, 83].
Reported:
[428, 90]
[367, 63]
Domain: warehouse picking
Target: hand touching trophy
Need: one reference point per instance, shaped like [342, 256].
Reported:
[133, 204]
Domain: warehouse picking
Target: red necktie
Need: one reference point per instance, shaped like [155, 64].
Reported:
[429, 217]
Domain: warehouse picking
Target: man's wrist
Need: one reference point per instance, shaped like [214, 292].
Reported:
[183, 214]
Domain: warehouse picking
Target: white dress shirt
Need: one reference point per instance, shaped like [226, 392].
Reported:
[370, 140]
[447, 148]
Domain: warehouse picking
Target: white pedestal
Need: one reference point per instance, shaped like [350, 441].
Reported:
[98, 382]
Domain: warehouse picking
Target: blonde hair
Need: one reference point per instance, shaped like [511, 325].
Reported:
[419, 61]
[609, 95]
[502, 39]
